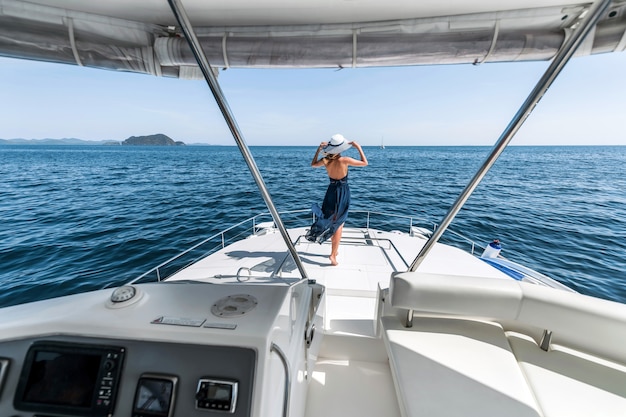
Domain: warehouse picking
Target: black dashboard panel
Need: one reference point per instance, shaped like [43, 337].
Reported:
[80, 376]
[70, 379]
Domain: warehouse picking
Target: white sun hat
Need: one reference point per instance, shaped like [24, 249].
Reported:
[336, 144]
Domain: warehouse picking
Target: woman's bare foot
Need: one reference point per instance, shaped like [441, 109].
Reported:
[333, 260]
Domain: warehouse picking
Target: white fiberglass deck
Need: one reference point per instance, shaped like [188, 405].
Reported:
[367, 257]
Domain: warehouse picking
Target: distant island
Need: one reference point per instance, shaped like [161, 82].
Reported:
[158, 139]
[152, 140]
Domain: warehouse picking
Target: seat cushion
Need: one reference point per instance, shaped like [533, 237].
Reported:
[456, 367]
[570, 383]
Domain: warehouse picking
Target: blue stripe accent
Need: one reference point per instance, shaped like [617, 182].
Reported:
[510, 272]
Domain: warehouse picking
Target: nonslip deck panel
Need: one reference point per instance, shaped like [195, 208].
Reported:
[351, 388]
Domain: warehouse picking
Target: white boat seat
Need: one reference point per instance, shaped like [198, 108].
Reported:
[585, 323]
[583, 373]
[455, 367]
[570, 383]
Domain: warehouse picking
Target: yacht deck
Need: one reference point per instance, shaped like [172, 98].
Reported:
[363, 253]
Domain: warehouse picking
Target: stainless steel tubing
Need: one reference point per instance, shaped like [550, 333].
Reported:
[562, 57]
[205, 67]
[283, 358]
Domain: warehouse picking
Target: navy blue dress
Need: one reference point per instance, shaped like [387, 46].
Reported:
[333, 213]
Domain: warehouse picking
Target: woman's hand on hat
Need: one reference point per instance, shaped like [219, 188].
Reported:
[323, 144]
[353, 143]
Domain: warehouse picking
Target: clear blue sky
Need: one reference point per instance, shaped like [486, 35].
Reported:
[445, 105]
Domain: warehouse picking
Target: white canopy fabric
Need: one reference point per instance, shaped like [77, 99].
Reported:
[115, 35]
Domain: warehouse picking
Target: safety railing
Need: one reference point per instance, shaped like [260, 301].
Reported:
[216, 242]
[295, 218]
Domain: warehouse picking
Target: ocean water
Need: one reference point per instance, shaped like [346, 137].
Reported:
[78, 218]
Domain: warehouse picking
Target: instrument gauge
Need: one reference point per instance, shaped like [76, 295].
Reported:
[123, 293]
[154, 396]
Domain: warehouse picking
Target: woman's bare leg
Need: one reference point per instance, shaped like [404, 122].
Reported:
[334, 240]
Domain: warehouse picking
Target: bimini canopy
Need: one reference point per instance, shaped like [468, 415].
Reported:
[142, 35]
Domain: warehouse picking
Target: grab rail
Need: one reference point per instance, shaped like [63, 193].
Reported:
[283, 359]
[377, 239]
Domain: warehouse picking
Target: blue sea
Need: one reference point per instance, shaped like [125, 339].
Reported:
[78, 218]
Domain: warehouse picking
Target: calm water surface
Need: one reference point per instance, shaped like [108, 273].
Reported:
[77, 218]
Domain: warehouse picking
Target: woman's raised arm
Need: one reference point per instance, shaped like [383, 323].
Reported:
[353, 162]
[318, 162]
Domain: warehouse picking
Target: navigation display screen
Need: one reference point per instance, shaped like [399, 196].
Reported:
[62, 378]
[70, 379]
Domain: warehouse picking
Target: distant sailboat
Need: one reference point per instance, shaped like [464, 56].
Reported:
[382, 142]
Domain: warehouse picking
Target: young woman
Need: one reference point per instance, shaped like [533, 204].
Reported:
[334, 211]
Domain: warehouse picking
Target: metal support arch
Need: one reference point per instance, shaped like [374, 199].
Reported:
[205, 67]
[562, 57]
